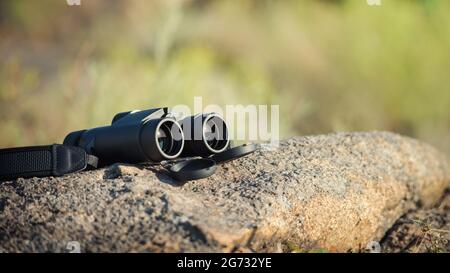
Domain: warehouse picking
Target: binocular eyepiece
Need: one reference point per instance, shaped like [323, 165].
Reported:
[153, 135]
[205, 134]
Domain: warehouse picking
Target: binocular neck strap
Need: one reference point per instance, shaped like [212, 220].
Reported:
[36, 161]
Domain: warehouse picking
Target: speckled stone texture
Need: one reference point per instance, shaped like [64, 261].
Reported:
[335, 192]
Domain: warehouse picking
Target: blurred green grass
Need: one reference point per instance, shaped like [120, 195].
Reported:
[330, 65]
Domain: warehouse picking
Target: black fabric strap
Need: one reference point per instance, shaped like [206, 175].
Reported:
[38, 161]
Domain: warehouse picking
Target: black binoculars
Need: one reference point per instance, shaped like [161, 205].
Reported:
[153, 135]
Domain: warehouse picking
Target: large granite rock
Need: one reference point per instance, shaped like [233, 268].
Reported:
[334, 192]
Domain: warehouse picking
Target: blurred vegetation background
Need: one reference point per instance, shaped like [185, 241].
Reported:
[336, 65]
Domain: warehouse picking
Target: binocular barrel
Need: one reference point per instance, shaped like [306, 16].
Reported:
[152, 136]
[205, 134]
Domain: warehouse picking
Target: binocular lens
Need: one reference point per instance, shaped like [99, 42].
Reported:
[164, 137]
[205, 134]
[215, 133]
[169, 138]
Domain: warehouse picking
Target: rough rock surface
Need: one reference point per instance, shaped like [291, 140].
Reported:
[335, 192]
[422, 230]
